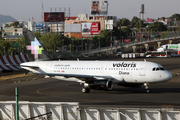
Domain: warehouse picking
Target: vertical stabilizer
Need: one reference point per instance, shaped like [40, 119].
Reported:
[34, 48]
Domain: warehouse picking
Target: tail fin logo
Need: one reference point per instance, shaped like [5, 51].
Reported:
[35, 48]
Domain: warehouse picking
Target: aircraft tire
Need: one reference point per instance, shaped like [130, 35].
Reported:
[85, 90]
[147, 91]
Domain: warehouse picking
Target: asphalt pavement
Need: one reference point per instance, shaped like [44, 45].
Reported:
[38, 89]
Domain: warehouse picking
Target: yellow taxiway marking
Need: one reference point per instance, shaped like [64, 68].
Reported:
[38, 91]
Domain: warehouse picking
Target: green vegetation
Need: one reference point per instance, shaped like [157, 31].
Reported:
[7, 47]
[55, 41]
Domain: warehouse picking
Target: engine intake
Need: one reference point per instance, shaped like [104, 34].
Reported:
[106, 83]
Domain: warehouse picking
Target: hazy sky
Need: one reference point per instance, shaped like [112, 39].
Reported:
[26, 9]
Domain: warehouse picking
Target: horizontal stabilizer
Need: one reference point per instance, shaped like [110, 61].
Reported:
[30, 66]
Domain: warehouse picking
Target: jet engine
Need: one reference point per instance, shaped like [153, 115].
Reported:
[107, 84]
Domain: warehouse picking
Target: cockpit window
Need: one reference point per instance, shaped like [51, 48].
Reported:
[161, 68]
[157, 68]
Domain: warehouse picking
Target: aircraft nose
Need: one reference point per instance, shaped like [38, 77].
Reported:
[168, 75]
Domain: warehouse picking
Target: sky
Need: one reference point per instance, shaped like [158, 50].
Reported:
[26, 9]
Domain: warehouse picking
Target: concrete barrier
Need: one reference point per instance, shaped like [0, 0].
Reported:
[72, 111]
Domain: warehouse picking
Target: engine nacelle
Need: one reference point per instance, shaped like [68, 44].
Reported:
[106, 83]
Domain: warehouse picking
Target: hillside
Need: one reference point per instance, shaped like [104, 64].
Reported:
[6, 18]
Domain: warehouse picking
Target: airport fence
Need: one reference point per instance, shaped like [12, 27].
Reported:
[72, 111]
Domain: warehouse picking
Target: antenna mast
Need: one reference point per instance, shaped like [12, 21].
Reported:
[42, 10]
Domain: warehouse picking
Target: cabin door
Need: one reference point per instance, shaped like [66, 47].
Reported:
[142, 71]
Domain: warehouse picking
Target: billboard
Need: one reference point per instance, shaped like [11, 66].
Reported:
[72, 28]
[127, 40]
[53, 16]
[99, 7]
[39, 26]
[90, 28]
[94, 28]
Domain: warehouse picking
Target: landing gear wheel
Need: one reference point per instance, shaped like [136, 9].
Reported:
[85, 90]
[146, 85]
[147, 91]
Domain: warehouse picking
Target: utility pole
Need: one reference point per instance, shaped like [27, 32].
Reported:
[111, 43]
[17, 103]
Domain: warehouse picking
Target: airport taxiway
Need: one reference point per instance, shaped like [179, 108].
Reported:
[38, 89]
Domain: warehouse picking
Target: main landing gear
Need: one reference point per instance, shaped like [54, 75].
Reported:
[146, 85]
[85, 90]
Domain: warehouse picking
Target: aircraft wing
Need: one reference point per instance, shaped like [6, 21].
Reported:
[78, 76]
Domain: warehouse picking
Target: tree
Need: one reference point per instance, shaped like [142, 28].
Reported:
[136, 22]
[16, 24]
[21, 44]
[123, 22]
[157, 26]
[47, 42]
[164, 34]
[105, 37]
[37, 35]
[126, 32]
[4, 46]
[176, 16]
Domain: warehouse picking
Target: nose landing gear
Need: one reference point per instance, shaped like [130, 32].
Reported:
[146, 85]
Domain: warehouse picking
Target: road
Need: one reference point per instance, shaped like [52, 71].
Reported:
[38, 89]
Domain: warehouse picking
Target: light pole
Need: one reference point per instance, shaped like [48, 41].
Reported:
[72, 45]
[62, 45]
[99, 42]
[4, 50]
[111, 43]
[82, 44]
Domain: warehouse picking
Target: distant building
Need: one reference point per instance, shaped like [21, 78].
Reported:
[105, 23]
[12, 32]
[31, 25]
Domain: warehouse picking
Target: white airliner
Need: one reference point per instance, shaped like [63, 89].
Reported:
[94, 74]
[171, 47]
